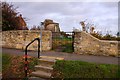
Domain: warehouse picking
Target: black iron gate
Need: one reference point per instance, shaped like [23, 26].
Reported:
[63, 41]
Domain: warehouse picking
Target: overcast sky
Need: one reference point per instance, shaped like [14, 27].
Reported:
[68, 14]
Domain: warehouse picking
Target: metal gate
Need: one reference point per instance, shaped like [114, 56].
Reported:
[63, 41]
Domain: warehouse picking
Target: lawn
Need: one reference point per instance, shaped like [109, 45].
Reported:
[63, 38]
[68, 48]
[62, 42]
[13, 66]
[78, 69]
[6, 60]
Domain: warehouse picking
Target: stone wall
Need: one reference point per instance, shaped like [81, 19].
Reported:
[84, 43]
[20, 38]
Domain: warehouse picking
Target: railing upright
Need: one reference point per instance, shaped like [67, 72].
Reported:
[26, 62]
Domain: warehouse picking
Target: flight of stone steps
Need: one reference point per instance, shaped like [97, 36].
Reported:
[44, 69]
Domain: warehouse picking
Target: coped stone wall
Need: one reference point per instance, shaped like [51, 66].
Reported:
[84, 43]
[20, 38]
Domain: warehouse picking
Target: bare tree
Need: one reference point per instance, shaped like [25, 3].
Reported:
[10, 18]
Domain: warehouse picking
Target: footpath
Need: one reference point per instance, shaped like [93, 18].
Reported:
[67, 56]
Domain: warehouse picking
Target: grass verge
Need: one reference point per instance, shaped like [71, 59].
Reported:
[6, 60]
[68, 48]
[0, 62]
[78, 69]
[13, 66]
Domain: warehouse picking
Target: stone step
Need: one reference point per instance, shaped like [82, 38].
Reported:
[43, 68]
[41, 74]
[36, 78]
[51, 58]
[46, 62]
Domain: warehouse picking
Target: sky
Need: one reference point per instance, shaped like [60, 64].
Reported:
[104, 15]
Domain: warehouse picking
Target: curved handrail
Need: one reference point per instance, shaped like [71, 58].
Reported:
[26, 62]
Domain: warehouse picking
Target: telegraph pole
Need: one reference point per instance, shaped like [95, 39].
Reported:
[41, 25]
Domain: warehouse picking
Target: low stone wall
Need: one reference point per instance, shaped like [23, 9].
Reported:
[20, 38]
[84, 43]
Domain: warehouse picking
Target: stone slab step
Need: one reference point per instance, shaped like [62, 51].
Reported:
[36, 78]
[48, 60]
[43, 68]
[45, 62]
[51, 57]
[41, 74]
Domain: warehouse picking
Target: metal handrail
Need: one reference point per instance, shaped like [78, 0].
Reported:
[26, 62]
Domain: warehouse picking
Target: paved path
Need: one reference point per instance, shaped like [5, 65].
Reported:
[67, 56]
